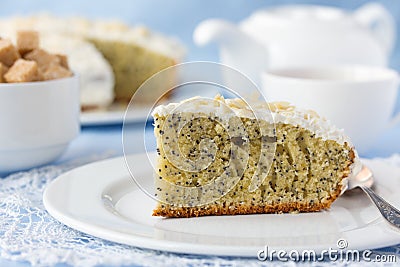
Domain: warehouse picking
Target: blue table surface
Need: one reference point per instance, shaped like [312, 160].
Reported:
[162, 16]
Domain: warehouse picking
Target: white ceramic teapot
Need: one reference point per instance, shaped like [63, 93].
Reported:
[302, 35]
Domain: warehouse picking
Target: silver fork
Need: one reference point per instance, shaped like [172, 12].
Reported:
[364, 180]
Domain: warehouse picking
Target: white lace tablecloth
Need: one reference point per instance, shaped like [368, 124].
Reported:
[29, 233]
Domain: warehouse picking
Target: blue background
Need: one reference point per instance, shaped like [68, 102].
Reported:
[178, 17]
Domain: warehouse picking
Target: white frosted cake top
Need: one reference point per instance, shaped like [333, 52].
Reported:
[112, 30]
[282, 112]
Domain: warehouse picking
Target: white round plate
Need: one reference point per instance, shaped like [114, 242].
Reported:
[101, 199]
[114, 114]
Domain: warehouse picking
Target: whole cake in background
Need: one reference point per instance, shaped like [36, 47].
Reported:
[112, 58]
[300, 163]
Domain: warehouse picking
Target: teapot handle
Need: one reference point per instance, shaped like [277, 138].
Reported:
[381, 23]
[237, 49]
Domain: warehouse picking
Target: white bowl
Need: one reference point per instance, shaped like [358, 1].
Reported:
[37, 120]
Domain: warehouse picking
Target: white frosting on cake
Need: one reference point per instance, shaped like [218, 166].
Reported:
[95, 73]
[112, 30]
[282, 112]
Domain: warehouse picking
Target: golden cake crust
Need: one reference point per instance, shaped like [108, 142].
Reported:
[184, 212]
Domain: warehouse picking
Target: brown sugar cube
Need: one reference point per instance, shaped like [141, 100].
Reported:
[42, 58]
[3, 70]
[39, 76]
[27, 41]
[8, 52]
[63, 60]
[22, 71]
[56, 71]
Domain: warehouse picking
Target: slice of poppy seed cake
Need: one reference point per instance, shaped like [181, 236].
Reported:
[218, 157]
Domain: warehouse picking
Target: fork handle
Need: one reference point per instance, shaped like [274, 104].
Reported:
[390, 213]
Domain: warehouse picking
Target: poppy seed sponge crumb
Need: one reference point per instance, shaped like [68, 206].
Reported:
[132, 64]
[206, 168]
